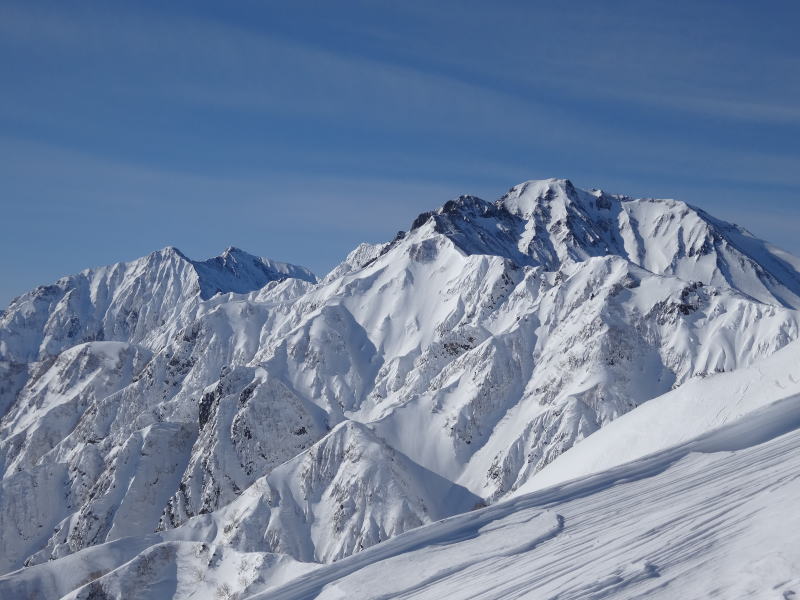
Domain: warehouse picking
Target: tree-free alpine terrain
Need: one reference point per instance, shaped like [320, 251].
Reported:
[559, 394]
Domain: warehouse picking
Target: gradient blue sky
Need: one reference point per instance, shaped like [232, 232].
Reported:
[297, 129]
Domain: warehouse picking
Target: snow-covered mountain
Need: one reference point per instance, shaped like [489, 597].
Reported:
[709, 511]
[136, 302]
[236, 411]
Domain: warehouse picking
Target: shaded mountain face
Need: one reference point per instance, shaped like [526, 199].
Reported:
[420, 378]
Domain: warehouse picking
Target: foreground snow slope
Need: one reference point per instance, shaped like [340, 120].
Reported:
[714, 517]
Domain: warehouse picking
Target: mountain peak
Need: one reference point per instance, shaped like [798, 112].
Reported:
[233, 250]
[238, 271]
[550, 223]
[129, 300]
[234, 270]
[169, 252]
[526, 198]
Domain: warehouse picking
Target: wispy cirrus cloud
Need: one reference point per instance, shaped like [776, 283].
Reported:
[150, 117]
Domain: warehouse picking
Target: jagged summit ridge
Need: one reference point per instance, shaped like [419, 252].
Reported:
[237, 271]
[551, 222]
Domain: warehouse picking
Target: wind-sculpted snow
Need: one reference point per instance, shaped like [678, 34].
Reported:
[240, 404]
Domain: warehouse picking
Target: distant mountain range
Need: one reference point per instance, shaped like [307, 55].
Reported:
[222, 427]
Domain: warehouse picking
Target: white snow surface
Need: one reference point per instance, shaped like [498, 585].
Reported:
[219, 427]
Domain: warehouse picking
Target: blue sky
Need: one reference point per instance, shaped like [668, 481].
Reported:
[296, 130]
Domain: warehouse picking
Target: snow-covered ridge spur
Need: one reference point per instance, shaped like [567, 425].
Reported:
[128, 301]
[420, 378]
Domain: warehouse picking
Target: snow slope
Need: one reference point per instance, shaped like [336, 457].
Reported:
[482, 365]
[699, 406]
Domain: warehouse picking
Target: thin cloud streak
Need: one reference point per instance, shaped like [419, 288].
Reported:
[136, 112]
